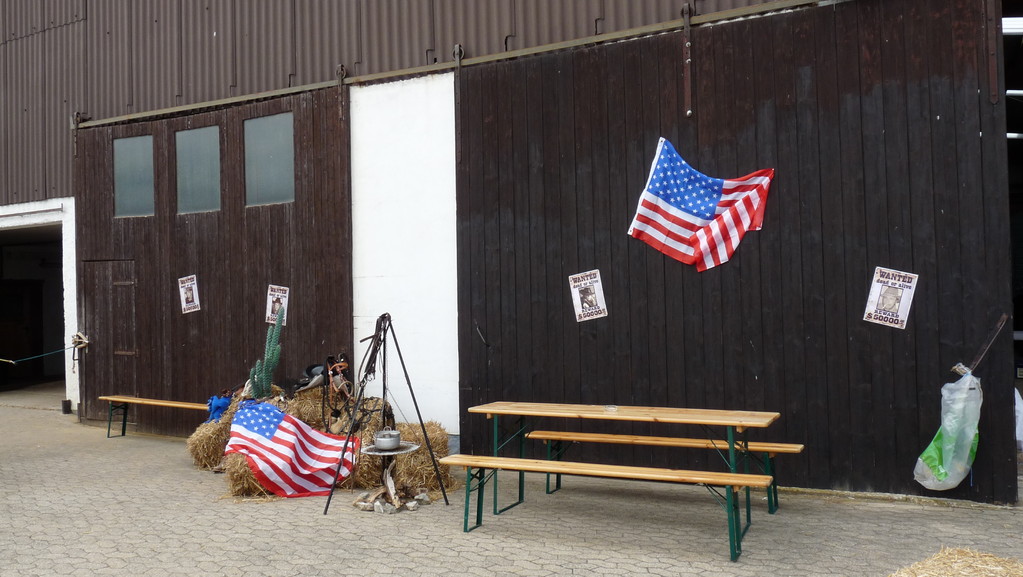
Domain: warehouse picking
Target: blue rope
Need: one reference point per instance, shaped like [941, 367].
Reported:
[37, 356]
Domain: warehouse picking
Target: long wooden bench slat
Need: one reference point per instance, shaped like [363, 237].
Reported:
[155, 402]
[759, 446]
[611, 471]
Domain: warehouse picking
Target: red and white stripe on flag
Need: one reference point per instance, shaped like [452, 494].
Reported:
[295, 460]
[687, 237]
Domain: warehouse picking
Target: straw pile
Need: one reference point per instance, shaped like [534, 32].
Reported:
[960, 562]
[307, 406]
[412, 471]
[415, 471]
[240, 480]
[207, 443]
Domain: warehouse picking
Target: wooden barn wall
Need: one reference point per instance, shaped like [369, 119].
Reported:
[887, 135]
[235, 252]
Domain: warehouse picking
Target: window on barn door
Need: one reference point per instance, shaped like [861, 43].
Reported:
[133, 176]
[198, 160]
[269, 159]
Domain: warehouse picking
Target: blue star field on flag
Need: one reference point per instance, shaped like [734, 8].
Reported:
[260, 418]
[678, 183]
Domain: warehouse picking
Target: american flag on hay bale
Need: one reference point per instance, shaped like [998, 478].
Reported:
[287, 456]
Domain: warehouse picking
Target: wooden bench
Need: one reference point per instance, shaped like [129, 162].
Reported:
[768, 449]
[477, 467]
[121, 402]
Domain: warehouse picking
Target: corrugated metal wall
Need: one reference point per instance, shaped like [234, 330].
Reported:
[205, 67]
[21, 19]
[118, 57]
[38, 81]
[153, 43]
[323, 42]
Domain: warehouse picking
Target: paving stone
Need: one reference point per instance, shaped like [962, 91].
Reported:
[73, 502]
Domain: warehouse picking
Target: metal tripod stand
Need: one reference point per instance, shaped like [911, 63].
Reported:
[378, 350]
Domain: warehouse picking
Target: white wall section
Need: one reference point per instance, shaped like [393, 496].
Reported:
[404, 249]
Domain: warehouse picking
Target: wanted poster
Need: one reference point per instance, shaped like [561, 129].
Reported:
[890, 298]
[188, 288]
[276, 299]
[587, 296]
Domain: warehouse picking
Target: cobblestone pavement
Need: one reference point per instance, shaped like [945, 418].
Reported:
[73, 502]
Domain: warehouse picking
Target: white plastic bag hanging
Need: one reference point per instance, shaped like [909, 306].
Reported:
[947, 460]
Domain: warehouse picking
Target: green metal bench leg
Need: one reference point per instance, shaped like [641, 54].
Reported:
[522, 493]
[481, 481]
[746, 460]
[735, 530]
[730, 503]
[123, 408]
[497, 449]
[520, 436]
[554, 452]
[772, 489]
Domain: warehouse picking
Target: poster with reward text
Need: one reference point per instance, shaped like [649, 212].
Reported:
[890, 298]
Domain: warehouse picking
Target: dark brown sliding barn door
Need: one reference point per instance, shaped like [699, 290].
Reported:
[109, 365]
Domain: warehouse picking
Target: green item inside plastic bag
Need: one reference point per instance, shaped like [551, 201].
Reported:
[947, 460]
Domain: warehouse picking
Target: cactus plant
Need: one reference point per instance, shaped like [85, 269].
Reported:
[261, 375]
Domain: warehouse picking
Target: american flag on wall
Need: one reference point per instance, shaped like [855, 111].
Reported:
[694, 218]
[287, 456]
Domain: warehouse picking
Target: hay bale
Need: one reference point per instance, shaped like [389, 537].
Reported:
[412, 471]
[307, 406]
[240, 480]
[207, 443]
[960, 562]
[415, 470]
[276, 396]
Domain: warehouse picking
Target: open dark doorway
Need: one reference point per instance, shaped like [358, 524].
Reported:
[31, 306]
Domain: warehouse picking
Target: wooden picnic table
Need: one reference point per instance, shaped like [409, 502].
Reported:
[735, 422]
